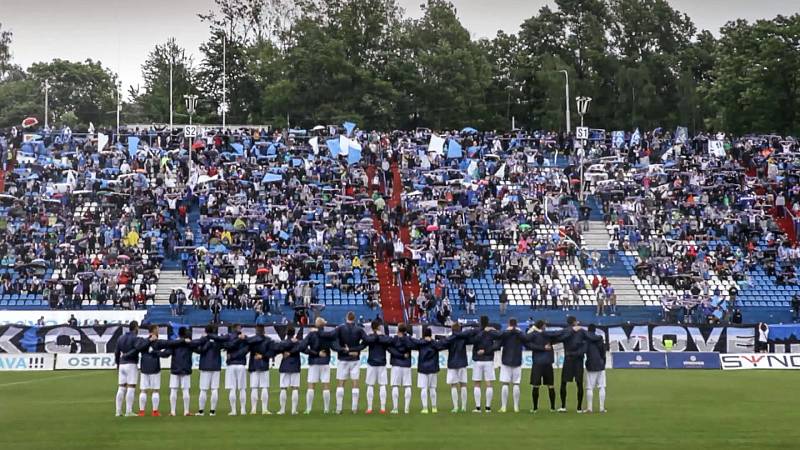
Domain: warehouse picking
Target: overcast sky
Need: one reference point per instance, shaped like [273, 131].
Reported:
[120, 33]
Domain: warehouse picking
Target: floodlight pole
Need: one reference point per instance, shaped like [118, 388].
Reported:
[583, 106]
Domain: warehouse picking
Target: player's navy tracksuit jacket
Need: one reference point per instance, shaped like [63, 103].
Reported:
[595, 355]
[377, 344]
[484, 340]
[126, 343]
[351, 336]
[512, 342]
[262, 345]
[401, 346]
[210, 350]
[317, 342]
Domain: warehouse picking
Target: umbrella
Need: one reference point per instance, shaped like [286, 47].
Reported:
[433, 228]
[318, 128]
[198, 145]
[524, 226]
[30, 122]
[469, 130]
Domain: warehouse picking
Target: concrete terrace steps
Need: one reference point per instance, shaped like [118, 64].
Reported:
[167, 281]
[627, 293]
[597, 237]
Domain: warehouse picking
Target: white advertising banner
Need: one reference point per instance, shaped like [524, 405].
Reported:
[61, 317]
[748, 361]
[26, 361]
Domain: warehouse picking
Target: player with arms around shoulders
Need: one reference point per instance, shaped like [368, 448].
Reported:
[235, 373]
[348, 343]
[483, 349]
[260, 347]
[152, 350]
[126, 357]
[289, 368]
[595, 370]
[540, 342]
[400, 351]
[377, 343]
[180, 369]
[210, 349]
[512, 341]
[457, 363]
[428, 368]
[317, 345]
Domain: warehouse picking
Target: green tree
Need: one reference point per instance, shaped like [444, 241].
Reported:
[5, 51]
[154, 100]
[85, 88]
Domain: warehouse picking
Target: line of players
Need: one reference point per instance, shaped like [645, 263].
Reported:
[581, 347]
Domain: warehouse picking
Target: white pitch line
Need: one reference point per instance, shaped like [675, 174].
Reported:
[37, 380]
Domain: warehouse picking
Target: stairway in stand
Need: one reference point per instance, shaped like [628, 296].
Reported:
[410, 286]
[168, 280]
[390, 294]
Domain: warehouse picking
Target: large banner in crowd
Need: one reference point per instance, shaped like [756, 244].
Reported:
[624, 338]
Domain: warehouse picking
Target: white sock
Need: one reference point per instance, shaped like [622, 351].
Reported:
[454, 396]
[243, 400]
[253, 400]
[515, 393]
[382, 394]
[395, 398]
[355, 399]
[602, 398]
[130, 394]
[201, 400]
[309, 399]
[186, 400]
[283, 401]
[433, 397]
[407, 398]
[142, 400]
[214, 398]
[295, 400]
[120, 398]
[232, 400]
[464, 398]
[326, 400]
[476, 392]
[503, 396]
[339, 398]
[156, 398]
[589, 398]
[423, 395]
[264, 399]
[489, 395]
[370, 396]
[173, 400]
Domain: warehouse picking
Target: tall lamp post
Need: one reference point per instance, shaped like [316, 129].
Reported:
[191, 105]
[566, 98]
[46, 102]
[583, 106]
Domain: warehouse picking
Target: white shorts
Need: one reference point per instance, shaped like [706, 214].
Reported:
[510, 374]
[290, 380]
[150, 381]
[319, 373]
[180, 381]
[259, 380]
[128, 373]
[483, 371]
[236, 377]
[457, 375]
[427, 380]
[376, 375]
[209, 380]
[348, 370]
[595, 379]
[401, 376]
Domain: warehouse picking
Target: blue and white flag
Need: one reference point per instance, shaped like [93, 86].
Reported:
[133, 145]
[349, 127]
[636, 138]
[681, 135]
[436, 145]
[454, 149]
[617, 139]
[354, 155]
[333, 146]
[238, 148]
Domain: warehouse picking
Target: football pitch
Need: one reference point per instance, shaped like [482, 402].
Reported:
[663, 409]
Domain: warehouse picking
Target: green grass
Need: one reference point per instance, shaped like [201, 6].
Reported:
[647, 410]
